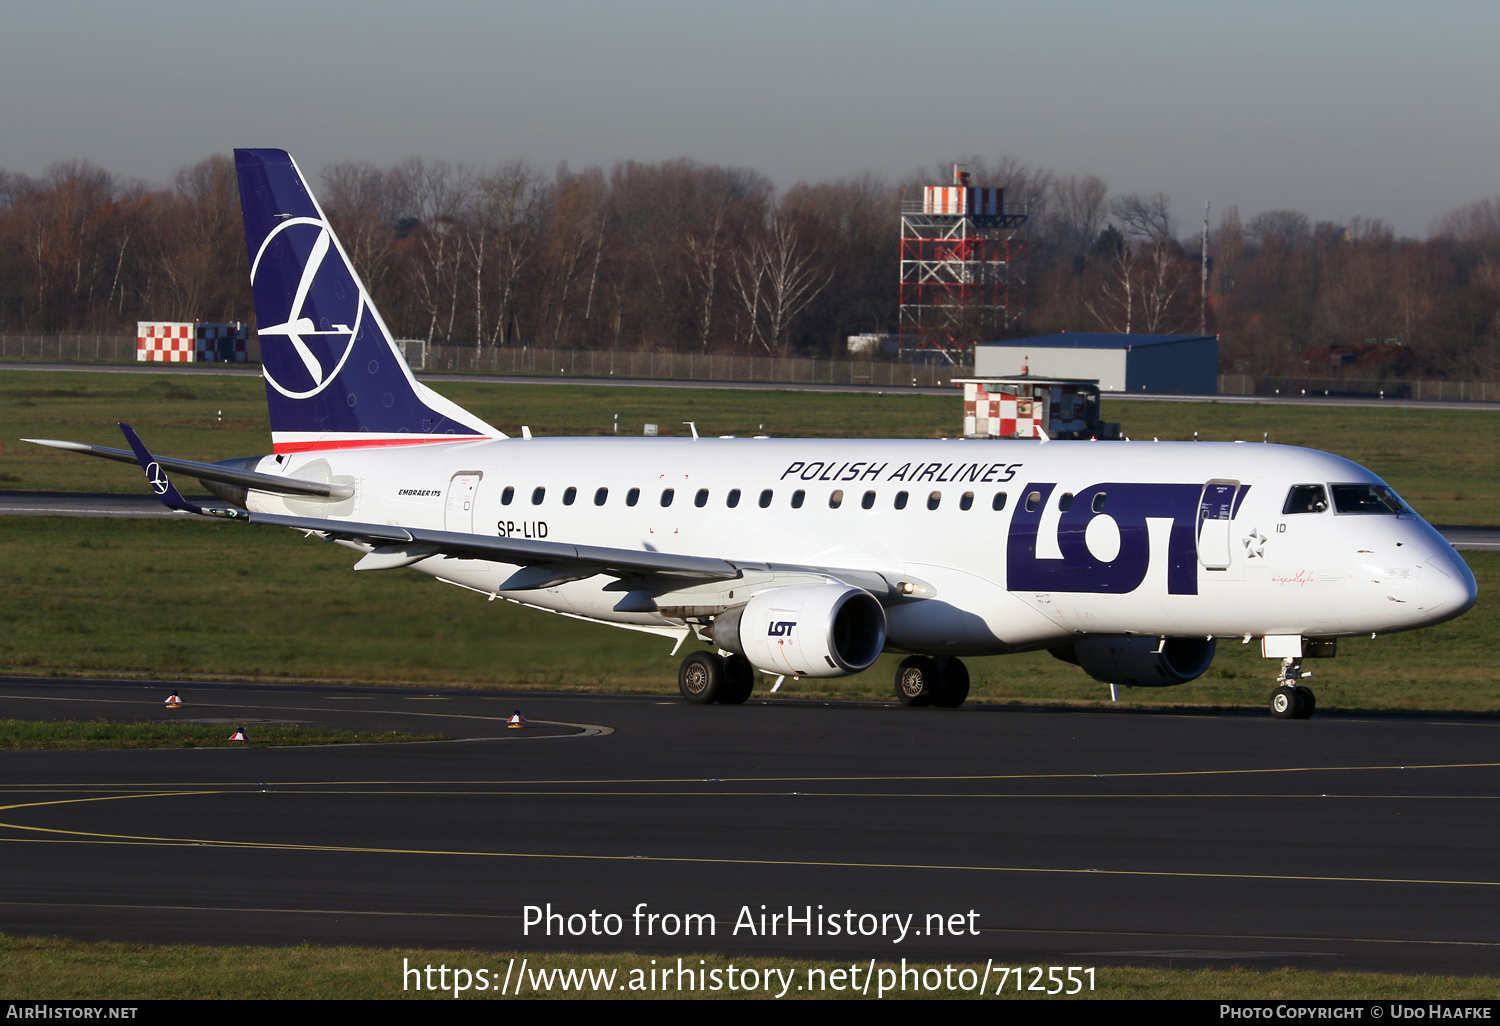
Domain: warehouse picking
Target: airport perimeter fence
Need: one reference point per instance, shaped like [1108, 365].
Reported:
[586, 363]
[83, 349]
[604, 363]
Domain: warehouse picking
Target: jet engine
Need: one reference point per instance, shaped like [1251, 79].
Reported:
[806, 630]
[1140, 662]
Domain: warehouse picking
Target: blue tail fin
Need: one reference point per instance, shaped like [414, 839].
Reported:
[334, 378]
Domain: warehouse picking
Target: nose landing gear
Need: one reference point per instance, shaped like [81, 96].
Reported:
[1290, 700]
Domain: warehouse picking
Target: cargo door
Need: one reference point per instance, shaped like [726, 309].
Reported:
[458, 515]
[1215, 511]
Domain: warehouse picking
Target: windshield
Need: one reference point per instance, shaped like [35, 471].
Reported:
[1306, 498]
[1367, 498]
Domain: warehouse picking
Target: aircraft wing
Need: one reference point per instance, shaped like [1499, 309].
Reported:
[401, 546]
[209, 471]
[544, 563]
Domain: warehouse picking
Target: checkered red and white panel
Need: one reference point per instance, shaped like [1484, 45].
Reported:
[190, 342]
[998, 414]
[165, 342]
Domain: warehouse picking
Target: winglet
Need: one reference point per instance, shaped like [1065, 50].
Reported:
[162, 485]
[156, 477]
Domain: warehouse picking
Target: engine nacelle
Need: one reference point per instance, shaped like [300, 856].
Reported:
[807, 630]
[1136, 662]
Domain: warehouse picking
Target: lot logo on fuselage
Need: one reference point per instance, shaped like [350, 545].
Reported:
[1128, 505]
[306, 294]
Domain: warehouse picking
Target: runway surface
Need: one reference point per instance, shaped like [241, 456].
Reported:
[1074, 838]
[787, 386]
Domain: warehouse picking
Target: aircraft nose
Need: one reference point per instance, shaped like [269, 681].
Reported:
[1447, 587]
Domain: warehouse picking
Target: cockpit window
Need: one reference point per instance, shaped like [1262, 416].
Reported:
[1305, 499]
[1367, 498]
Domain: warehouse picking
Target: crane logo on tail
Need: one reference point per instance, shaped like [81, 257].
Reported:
[325, 306]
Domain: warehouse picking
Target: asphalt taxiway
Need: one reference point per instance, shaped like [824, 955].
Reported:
[1074, 838]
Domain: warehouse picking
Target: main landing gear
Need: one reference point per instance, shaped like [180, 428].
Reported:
[927, 680]
[1290, 700]
[707, 677]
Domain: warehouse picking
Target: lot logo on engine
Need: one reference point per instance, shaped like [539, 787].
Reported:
[781, 628]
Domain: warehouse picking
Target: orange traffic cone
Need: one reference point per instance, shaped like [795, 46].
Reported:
[174, 701]
[239, 735]
[516, 719]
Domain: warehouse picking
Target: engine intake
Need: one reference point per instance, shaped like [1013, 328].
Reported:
[807, 630]
[1135, 661]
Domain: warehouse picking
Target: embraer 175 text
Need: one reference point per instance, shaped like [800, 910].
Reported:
[807, 558]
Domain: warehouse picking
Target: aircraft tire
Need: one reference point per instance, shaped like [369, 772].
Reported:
[1285, 702]
[739, 680]
[701, 677]
[953, 684]
[917, 680]
[1306, 703]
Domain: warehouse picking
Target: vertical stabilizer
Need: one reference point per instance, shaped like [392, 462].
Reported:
[334, 378]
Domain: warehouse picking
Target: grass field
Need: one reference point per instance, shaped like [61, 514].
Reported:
[184, 599]
[35, 968]
[1445, 462]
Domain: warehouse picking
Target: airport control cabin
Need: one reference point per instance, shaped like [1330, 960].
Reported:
[1030, 407]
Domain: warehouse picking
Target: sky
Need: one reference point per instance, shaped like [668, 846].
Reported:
[1331, 107]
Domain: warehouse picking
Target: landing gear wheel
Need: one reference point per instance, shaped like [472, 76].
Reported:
[701, 678]
[1307, 704]
[917, 680]
[953, 684]
[739, 680]
[1285, 703]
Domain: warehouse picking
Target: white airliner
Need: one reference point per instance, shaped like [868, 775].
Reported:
[808, 558]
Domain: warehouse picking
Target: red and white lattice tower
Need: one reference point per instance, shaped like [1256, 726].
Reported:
[962, 267]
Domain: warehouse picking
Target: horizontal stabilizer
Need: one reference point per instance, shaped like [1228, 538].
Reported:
[210, 471]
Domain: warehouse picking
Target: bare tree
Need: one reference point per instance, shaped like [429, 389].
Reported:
[501, 224]
[1144, 217]
[705, 250]
[775, 280]
[1075, 213]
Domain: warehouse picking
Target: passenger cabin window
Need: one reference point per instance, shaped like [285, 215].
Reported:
[1065, 502]
[836, 499]
[966, 501]
[632, 497]
[900, 500]
[570, 495]
[934, 500]
[1098, 503]
[868, 502]
[1305, 499]
[797, 498]
[601, 496]
[1033, 500]
[998, 502]
[666, 496]
[765, 498]
[507, 495]
[733, 498]
[1366, 498]
[537, 495]
[701, 499]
